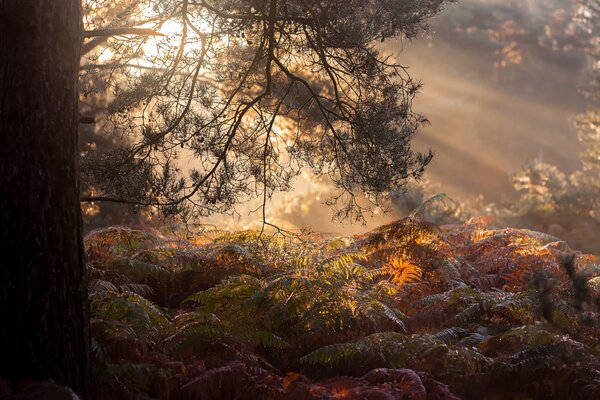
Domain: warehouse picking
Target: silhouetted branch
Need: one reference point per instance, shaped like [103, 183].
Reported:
[121, 31]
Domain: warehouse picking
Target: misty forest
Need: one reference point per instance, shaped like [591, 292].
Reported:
[300, 199]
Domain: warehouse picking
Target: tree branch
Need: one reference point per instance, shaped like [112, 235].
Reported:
[107, 199]
[121, 31]
[91, 199]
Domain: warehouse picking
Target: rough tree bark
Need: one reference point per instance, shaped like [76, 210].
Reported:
[43, 296]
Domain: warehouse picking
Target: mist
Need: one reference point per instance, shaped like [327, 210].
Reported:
[486, 118]
[486, 121]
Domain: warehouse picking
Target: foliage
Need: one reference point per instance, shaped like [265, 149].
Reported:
[409, 309]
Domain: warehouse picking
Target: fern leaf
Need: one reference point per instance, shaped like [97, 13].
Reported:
[417, 212]
[449, 335]
[404, 271]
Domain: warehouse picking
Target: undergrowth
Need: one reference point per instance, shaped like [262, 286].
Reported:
[408, 311]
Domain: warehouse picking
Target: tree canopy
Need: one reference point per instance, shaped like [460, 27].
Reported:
[253, 91]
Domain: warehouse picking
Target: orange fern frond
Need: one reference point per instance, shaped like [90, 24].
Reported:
[403, 271]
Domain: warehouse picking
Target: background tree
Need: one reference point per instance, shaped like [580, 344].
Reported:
[253, 92]
[43, 295]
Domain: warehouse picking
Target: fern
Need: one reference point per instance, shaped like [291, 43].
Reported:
[375, 310]
[332, 355]
[266, 339]
[237, 287]
[141, 314]
[455, 303]
[404, 271]
[449, 335]
[195, 338]
[389, 349]
[417, 212]
[138, 270]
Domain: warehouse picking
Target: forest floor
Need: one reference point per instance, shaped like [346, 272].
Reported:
[407, 311]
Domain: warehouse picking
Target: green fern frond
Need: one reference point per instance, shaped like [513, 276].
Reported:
[239, 287]
[196, 338]
[466, 360]
[433, 300]
[137, 288]
[100, 285]
[449, 335]
[540, 357]
[137, 270]
[141, 313]
[266, 339]
[345, 261]
[284, 288]
[375, 309]
[112, 330]
[376, 273]
[388, 347]
[336, 244]
[332, 355]
[98, 350]
[417, 212]
[157, 316]
[136, 377]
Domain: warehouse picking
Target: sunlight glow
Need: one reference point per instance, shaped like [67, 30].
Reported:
[153, 47]
[156, 46]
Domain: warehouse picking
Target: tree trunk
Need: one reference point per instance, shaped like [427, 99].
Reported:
[43, 296]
